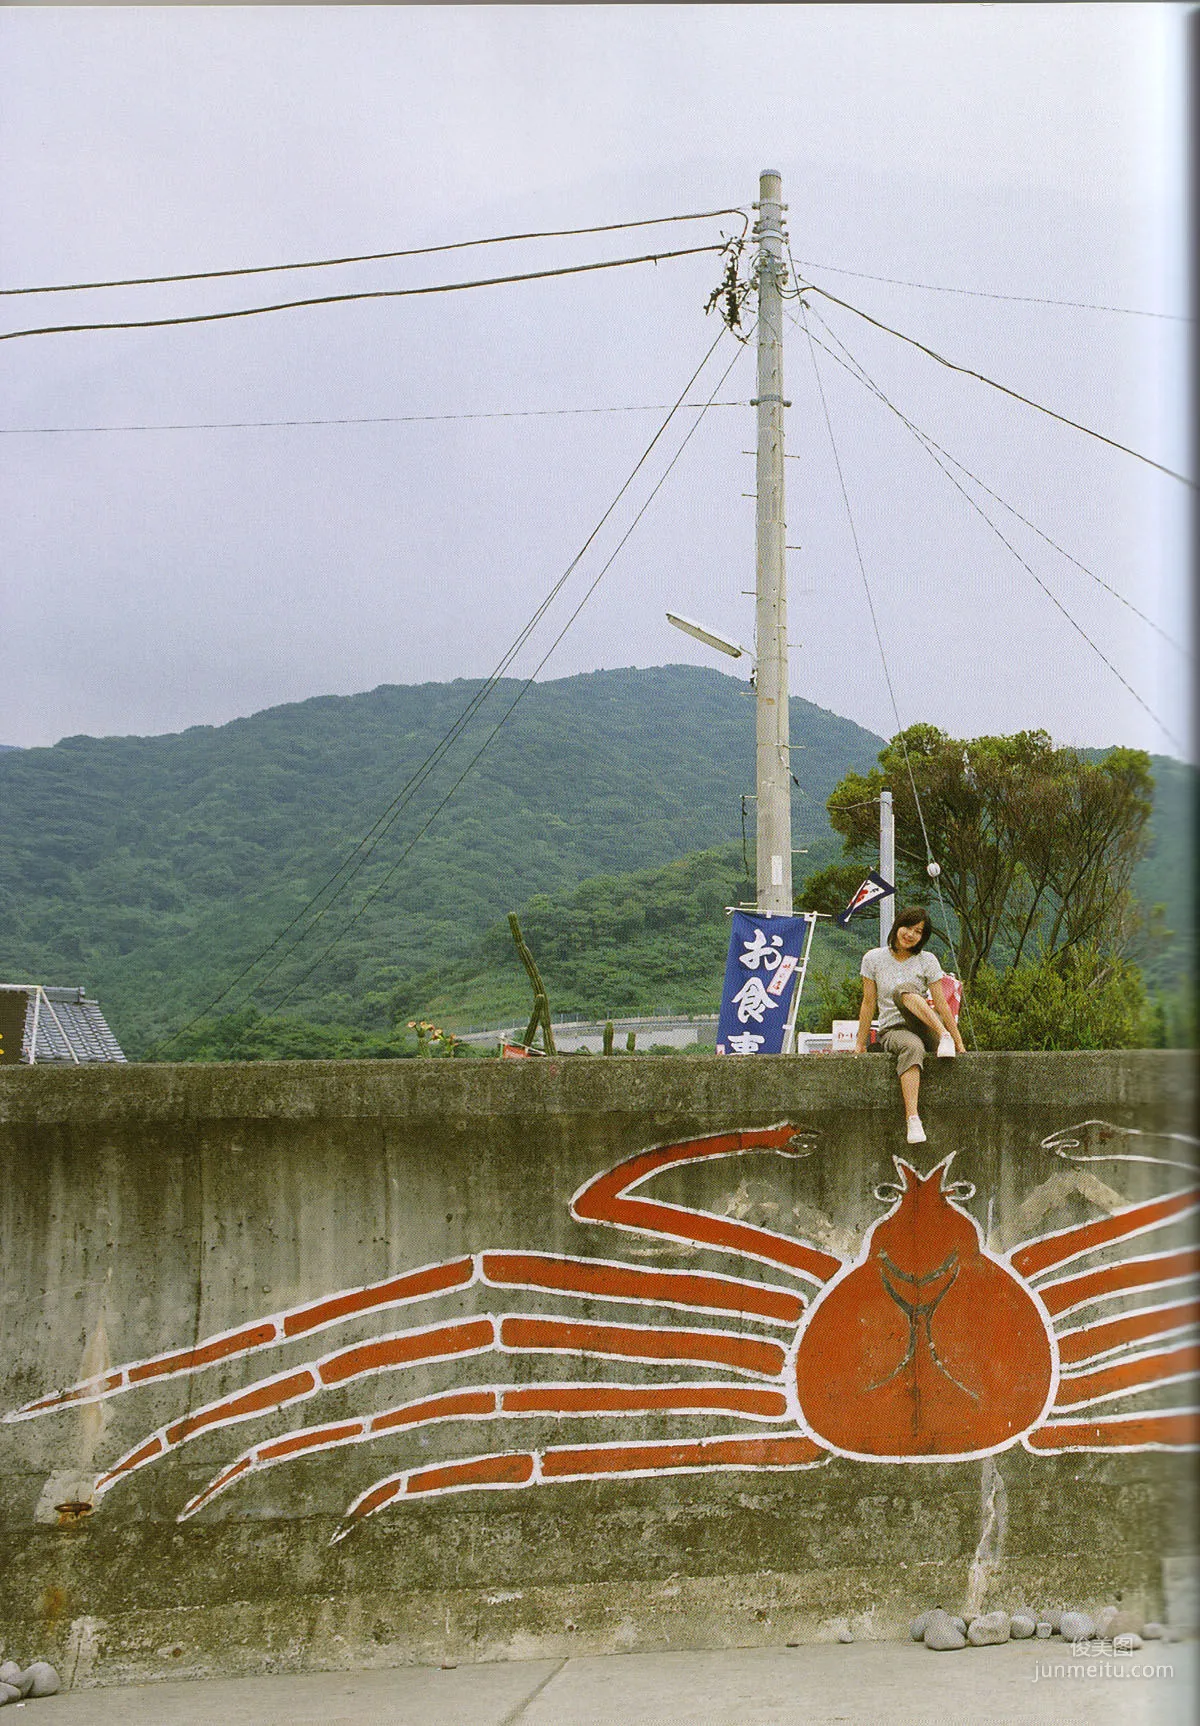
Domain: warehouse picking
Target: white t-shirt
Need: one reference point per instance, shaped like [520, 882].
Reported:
[892, 977]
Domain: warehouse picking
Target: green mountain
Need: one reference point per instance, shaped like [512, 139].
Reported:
[159, 871]
[607, 809]
[653, 941]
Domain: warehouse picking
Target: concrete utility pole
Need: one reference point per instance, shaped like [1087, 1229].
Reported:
[887, 864]
[774, 782]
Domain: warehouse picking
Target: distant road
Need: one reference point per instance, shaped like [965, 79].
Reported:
[570, 1034]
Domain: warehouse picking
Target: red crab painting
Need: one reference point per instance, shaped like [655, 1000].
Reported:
[925, 1347]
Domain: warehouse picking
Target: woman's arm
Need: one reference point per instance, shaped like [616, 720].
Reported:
[942, 1008]
[865, 1014]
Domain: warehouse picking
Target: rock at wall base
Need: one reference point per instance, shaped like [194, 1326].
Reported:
[942, 1632]
[988, 1629]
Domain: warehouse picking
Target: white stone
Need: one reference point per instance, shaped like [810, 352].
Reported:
[942, 1631]
[988, 1629]
[40, 1679]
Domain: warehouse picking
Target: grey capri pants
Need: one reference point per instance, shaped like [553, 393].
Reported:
[909, 1042]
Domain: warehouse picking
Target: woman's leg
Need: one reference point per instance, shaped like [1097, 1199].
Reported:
[916, 1007]
[910, 1088]
[908, 1046]
[920, 1008]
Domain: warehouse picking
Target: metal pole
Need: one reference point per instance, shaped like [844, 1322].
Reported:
[887, 864]
[774, 782]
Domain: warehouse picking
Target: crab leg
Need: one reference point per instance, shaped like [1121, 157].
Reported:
[512, 1334]
[1125, 1377]
[1046, 1252]
[605, 1199]
[261, 1333]
[599, 1279]
[1172, 1429]
[405, 1348]
[747, 1402]
[1080, 1347]
[1156, 1270]
[748, 1354]
[585, 1462]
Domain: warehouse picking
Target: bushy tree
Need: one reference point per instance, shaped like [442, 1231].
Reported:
[1078, 999]
[1035, 843]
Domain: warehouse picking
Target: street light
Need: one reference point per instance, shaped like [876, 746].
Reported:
[710, 638]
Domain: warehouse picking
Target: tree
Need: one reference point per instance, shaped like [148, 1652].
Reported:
[1078, 1000]
[1036, 844]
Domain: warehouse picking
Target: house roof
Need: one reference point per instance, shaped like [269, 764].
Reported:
[69, 1026]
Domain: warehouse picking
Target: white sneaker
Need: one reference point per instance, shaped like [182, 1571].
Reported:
[916, 1132]
[946, 1045]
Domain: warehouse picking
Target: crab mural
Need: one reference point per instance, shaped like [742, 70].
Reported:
[925, 1347]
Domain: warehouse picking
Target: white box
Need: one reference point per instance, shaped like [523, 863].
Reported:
[845, 1035]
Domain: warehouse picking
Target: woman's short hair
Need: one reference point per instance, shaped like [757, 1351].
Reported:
[907, 919]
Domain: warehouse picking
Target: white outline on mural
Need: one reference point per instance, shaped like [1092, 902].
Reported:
[1120, 1364]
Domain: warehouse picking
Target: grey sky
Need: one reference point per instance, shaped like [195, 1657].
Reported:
[159, 579]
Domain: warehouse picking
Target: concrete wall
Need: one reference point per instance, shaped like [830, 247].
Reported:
[148, 1208]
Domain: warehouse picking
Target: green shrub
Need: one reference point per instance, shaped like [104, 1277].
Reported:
[1080, 999]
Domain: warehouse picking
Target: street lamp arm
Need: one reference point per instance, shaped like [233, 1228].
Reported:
[710, 638]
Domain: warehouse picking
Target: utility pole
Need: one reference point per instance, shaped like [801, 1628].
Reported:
[774, 782]
[887, 864]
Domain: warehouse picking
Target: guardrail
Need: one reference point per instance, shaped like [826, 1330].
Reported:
[676, 1030]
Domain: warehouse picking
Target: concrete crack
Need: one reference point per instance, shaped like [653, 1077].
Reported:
[990, 1550]
[515, 1714]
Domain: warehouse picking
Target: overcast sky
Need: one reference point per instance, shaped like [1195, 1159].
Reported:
[156, 579]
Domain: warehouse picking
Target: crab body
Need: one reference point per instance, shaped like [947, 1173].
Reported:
[927, 1346]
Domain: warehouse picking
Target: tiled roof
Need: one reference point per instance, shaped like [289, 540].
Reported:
[70, 1027]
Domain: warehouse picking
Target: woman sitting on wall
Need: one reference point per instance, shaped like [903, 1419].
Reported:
[895, 981]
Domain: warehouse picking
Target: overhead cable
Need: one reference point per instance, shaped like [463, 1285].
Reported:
[361, 420]
[968, 371]
[340, 879]
[935, 876]
[984, 294]
[343, 299]
[517, 698]
[850, 364]
[365, 257]
[1025, 565]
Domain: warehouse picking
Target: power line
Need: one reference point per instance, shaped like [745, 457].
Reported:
[967, 371]
[365, 257]
[361, 420]
[857, 372]
[975, 505]
[343, 299]
[361, 853]
[862, 568]
[520, 695]
[984, 294]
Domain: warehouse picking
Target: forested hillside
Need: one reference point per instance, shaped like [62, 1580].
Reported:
[654, 941]
[155, 870]
[607, 810]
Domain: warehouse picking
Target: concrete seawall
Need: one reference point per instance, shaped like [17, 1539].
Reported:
[150, 1210]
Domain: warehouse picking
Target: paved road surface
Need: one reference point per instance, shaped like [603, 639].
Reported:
[902, 1684]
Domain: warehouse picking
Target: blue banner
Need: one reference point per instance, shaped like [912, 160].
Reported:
[760, 974]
